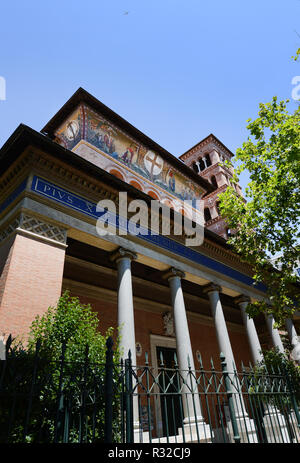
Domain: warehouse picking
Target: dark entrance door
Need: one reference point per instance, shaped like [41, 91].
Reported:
[170, 402]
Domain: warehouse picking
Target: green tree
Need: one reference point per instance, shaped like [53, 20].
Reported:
[276, 365]
[268, 223]
[65, 355]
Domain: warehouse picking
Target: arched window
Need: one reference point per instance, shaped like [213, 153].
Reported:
[201, 165]
[207, 215]
[218, 207]
[214, 181]
[208, 160]
[196, 167]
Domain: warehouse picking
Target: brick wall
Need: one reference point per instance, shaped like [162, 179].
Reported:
[30, 282]
[203, 337]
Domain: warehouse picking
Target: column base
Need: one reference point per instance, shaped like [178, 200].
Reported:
[137, 433]
[276, 427]
[195, 430]
[246, 430]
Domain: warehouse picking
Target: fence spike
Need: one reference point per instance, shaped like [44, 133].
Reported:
[109, 343]
[161, 358]
[8, 344]
[175, 360]
[189, 361]
[200, 360]
[222, 357]
[146, 358]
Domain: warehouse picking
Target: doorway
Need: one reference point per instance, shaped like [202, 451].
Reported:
[170, 402]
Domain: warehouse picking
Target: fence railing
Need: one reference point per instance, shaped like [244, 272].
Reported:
[82, 402]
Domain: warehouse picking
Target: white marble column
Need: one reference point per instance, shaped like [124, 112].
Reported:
[293, 337]
[122, 257]
[255, 347]
[224, 344]
[191, 402]
[246, 426]
[274, 333]
[294, 340]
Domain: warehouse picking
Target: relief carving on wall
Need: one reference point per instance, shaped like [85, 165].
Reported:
[168, 324]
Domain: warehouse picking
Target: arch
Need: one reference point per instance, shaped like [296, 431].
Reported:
[201, 165]
[207, 215]
[168, 203]
[185, 213]
[228, 232]
[117, 173]
[208, 160]
[153, 194]
[136, 185]
[196, 167]
[218, 207]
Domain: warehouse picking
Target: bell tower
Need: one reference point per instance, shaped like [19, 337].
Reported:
[206, 158]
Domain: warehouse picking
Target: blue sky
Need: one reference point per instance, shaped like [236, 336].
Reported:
[177, 70]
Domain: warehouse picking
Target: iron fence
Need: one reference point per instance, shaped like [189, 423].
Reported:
[109, 402]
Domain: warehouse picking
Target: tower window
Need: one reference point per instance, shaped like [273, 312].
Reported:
[202, 165]
[196, 167]
[228, 232]
[208, 160]
[214, 181]
[207, 215]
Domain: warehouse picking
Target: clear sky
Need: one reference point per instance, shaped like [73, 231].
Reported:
[176, 69]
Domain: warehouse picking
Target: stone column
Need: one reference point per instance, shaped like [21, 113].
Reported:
[123, 257]
[255, 347]
[276, 340]
[293, 337]
[245, 425]
[213, 291]
[191, 404]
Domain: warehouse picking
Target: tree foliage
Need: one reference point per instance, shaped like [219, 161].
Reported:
[268, 223]
[277, 365]
[53, 388]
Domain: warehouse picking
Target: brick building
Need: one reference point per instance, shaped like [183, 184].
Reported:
[163, 294]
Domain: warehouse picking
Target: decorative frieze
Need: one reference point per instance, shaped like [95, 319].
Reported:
[35, 226]
[9, 229]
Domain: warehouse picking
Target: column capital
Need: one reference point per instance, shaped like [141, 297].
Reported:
[172, 273]
[121, 253]
[242, 298]
[211, 287]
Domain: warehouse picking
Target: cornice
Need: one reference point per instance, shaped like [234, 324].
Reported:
[16, 170]
[203, 143]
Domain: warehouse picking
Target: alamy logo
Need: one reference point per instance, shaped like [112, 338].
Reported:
[2, 89]
[135, 217]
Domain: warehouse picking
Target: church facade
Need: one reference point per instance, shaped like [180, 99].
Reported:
[164, 296]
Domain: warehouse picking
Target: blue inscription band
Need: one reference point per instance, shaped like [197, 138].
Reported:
[73, 201]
